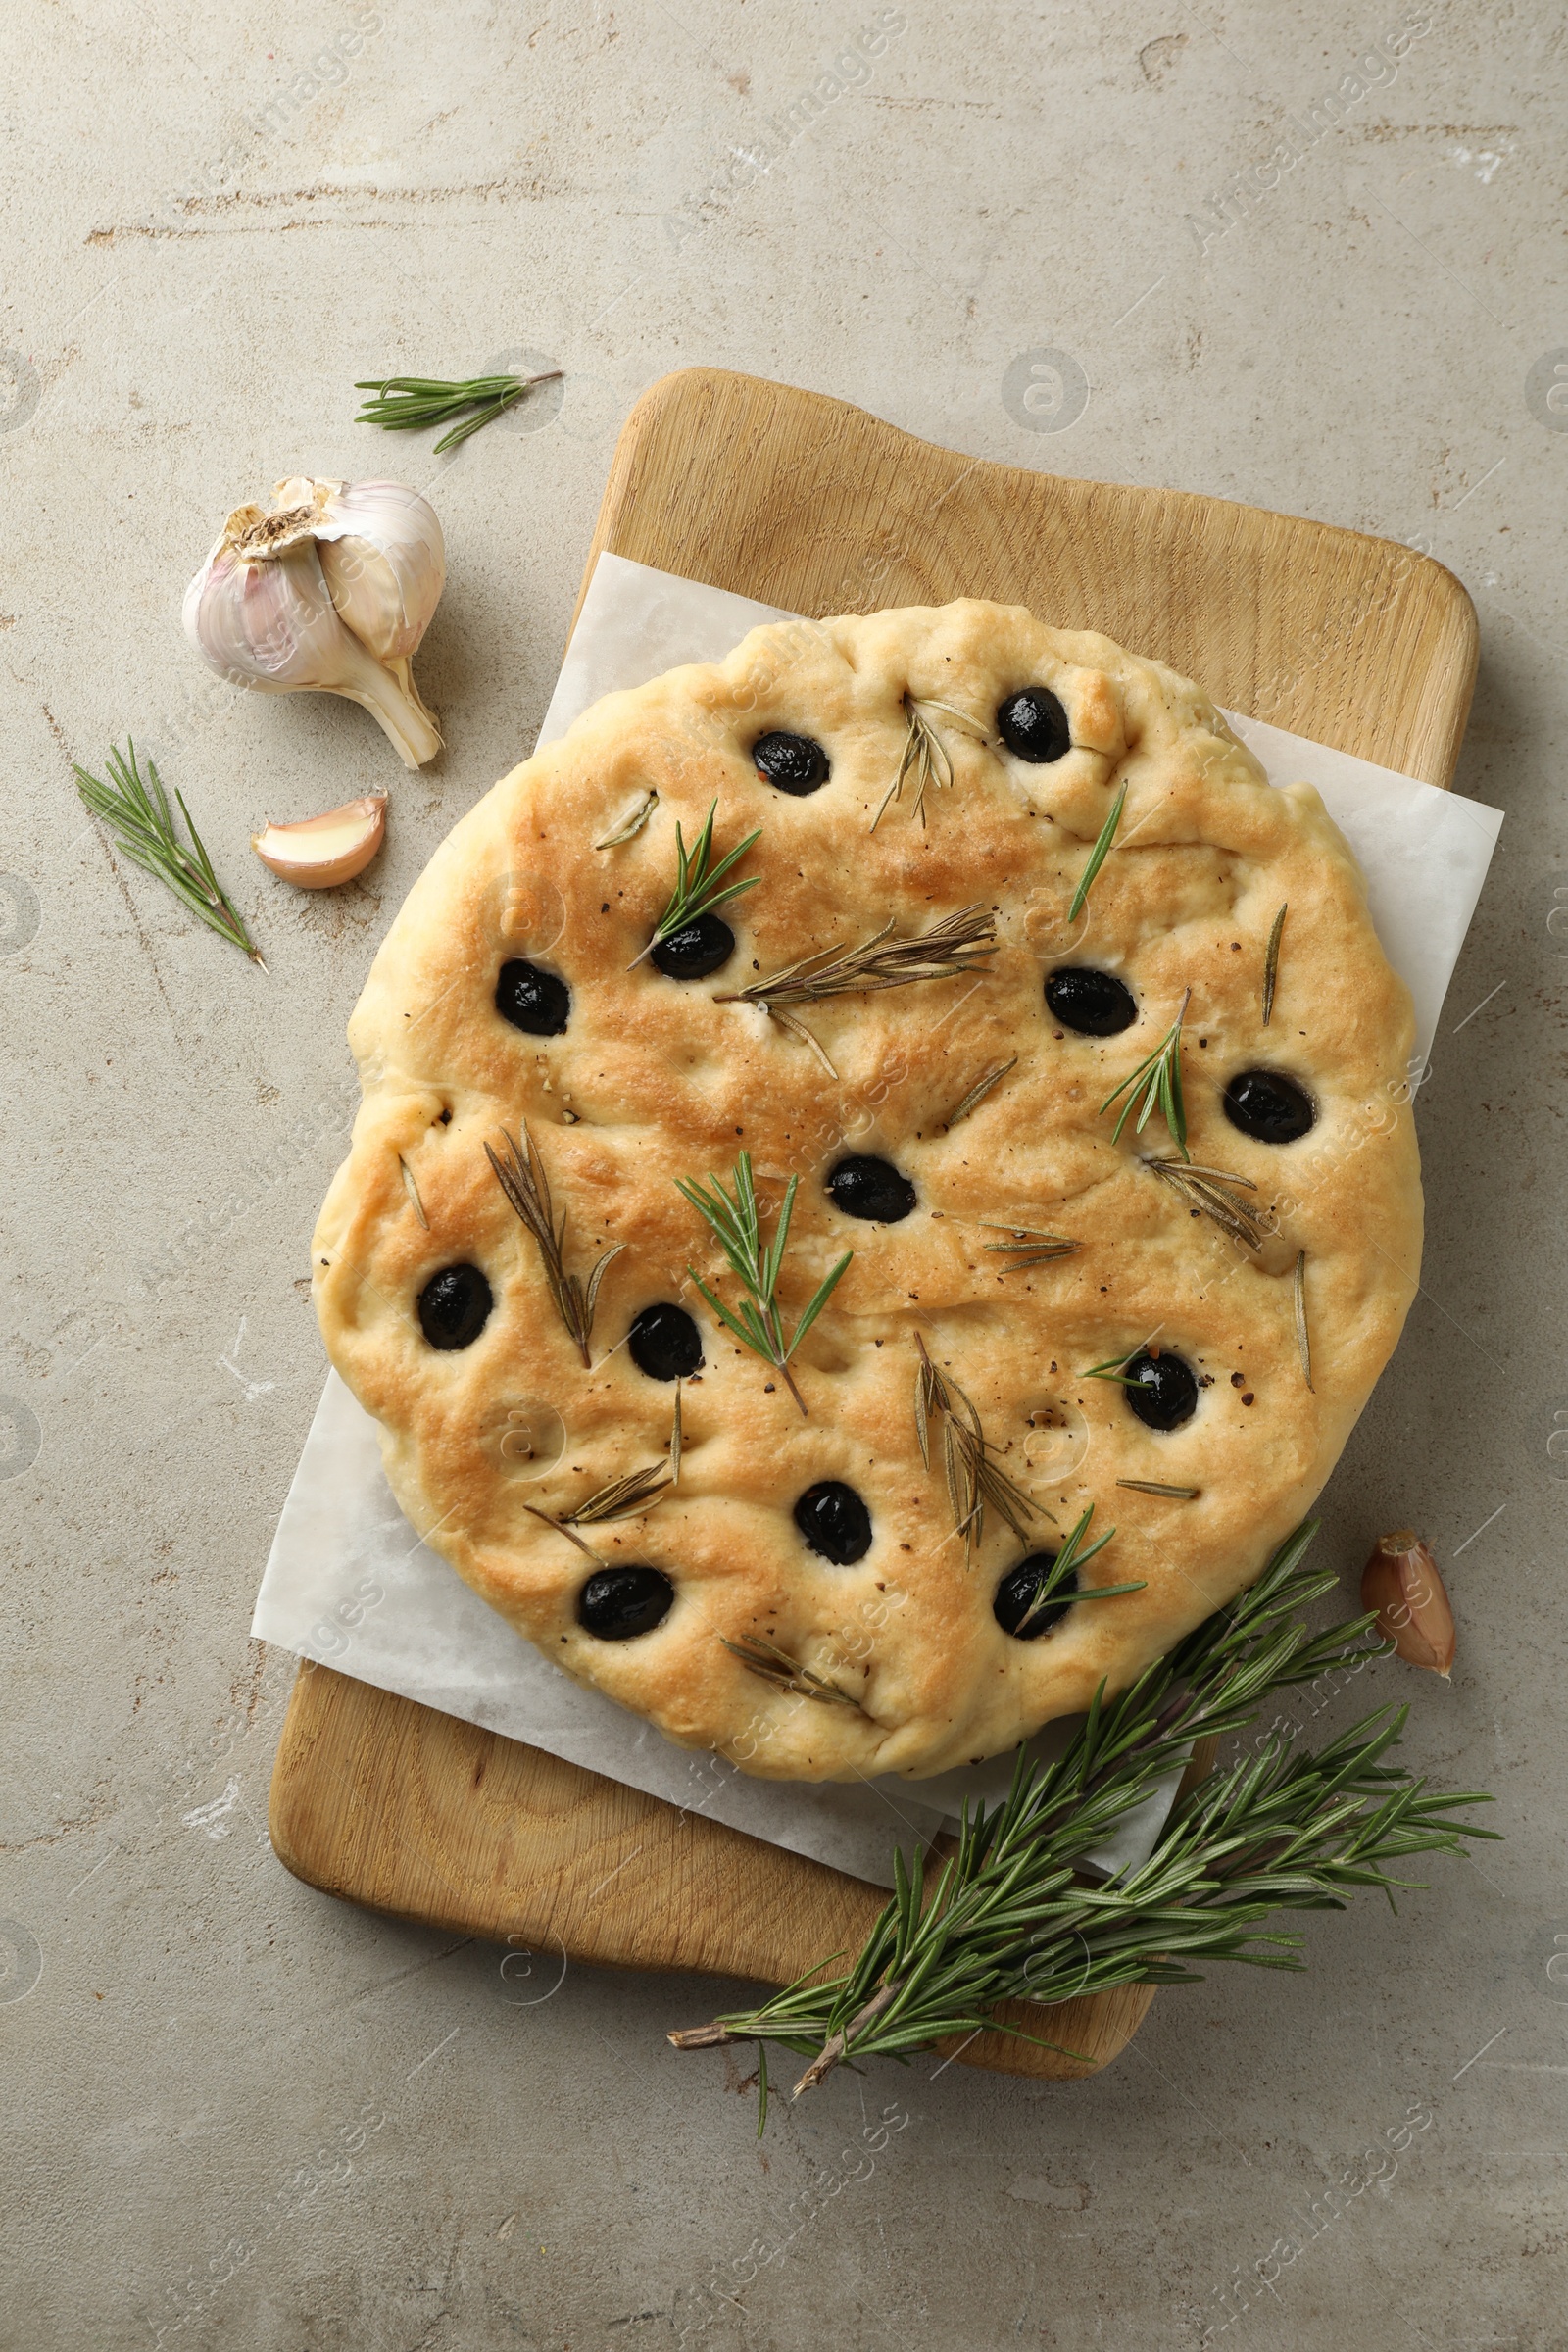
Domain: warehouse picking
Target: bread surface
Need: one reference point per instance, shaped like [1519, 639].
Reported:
[654, 1079]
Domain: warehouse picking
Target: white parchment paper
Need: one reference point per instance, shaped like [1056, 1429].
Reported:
[349, 1582]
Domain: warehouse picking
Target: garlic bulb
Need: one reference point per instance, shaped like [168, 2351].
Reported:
[331, 589]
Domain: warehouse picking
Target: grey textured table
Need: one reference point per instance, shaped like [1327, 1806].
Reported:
[1240, 252]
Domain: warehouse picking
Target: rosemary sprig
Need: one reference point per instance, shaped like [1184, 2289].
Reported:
[1157, 1085]
[958, 942]
[1013, 1916]
[624, 1498]
[405, 404]
[527, 1188]
[785, 1673]
[1302, 1336]
[973, 1478]
[978, 1092]
[926, 756]
[1098, 855]
[139, 817]
[1200, 1188]
[632, 822]
[697, 890]
[737, 1222]
[1271, 962]
[1030, 1246]
[1063, 1571]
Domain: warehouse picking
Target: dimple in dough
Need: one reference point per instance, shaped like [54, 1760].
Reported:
[654, 1079]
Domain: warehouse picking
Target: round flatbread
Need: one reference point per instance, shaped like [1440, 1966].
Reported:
[1169, 1319]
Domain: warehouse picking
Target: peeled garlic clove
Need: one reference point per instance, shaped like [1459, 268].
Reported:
[263, 614]
[322, 851]
[1401, 1581]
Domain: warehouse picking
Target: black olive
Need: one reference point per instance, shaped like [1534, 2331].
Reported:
[454, 1306]
[1095, 1004]
[1269, 1107]
[1034, 724]
[866, 1187]
[1164, 1394]
[532, 1000]
[793, 764]
[694, 950]
[1017, 1594]
[616, 1604]
[834, 1521]
[665, 1342]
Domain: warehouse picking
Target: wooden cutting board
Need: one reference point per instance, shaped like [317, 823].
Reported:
[805, 503]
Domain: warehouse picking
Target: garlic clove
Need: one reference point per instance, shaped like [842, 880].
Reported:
[322, 851]
[1401, 1581]
[264, 614]
[385, 563]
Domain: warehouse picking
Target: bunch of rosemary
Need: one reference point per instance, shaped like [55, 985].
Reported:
[1013, 1913]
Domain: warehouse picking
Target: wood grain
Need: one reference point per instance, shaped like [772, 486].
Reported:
[386, 1802]
[807, 503]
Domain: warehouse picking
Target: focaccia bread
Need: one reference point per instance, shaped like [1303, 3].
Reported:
[875, 1556]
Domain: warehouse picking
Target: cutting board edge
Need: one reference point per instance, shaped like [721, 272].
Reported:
[1459, 625]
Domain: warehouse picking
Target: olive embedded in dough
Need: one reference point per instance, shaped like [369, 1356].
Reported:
[1162, 1389]
[1269, 1107]
[665, 1342]
[1034, 724]
[1017, 1593]
[863, 1186]
[694, 950]
[454, 1306]
[792, 764]
[835, 1522]
[1095, 1004]
[616, 1604]
[538, 1001]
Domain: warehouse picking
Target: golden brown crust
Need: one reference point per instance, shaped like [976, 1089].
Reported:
[654, 1079]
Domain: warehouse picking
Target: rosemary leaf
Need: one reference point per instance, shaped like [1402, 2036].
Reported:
[1302, 1336]
[978, 1092]
[1200, 1188]
[974, 1478]
[926, 756]
[413, 1190]
[674, 1441]
[631, 823]
[409, 402]
[625, 1497]
[737, 1223]
[1157, 1085]
[1151, 1486]
[1096, 856]
[1012, 1917]
[1063, 1571]
[1029, 1246]
[527, 1188]
[561, 1528]
[785, 1673]
[138, 815]
[958, 942]
[697, 890]
[1271, 964]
